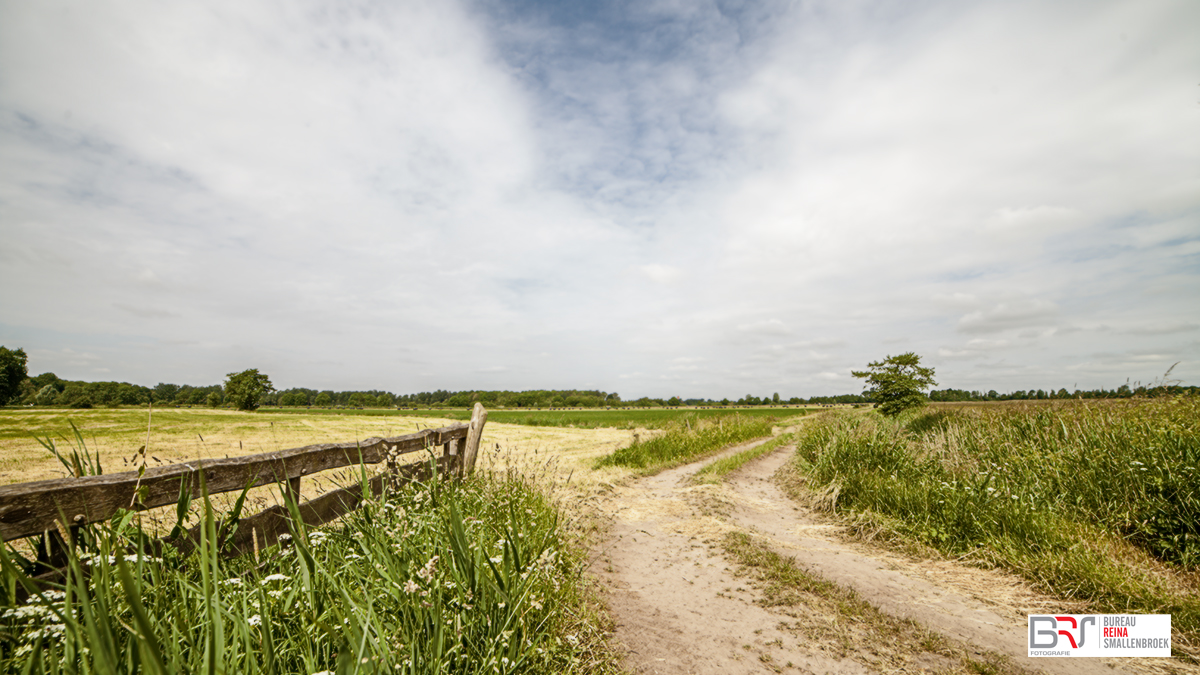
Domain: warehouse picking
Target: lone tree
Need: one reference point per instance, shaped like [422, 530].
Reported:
[12, 373]
[897, 383]
[244, 389]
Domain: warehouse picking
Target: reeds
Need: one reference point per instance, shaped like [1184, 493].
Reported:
[1093, 501]
[434, 577]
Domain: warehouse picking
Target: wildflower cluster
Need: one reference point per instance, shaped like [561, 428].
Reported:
[438, 576]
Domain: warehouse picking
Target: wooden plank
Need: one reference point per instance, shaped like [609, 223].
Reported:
[478, 418]
[28, 509]
[293, 489]
[268, 524]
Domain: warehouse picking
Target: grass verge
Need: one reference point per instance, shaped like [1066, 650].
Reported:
[716, 470]
[441, 576]
[686, 441]
[1091, 502]
[834, 615]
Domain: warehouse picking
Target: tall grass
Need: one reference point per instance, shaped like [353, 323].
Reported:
[436, 577]
[1093, 501]
[686, 441]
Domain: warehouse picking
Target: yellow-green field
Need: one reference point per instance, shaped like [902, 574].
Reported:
[180, 435]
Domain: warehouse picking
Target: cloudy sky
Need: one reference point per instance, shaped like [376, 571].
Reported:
[655, 198]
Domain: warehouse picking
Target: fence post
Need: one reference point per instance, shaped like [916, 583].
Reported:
[474, 432]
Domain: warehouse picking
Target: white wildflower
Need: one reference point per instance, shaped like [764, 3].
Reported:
[426, 573]
[254, 620]
[26, 612]
[274, 577]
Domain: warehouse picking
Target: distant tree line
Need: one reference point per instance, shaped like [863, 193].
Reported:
[47, 389]
[1123, 391]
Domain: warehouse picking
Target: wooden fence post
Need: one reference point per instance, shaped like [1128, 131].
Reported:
[474, 432]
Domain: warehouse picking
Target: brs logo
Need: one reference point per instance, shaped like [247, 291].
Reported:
[1044, 631]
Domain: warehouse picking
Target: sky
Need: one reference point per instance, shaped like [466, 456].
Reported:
[656, 198]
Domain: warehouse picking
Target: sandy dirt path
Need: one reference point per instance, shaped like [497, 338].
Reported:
[680, 607]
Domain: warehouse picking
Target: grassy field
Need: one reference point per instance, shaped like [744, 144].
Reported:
[186, 434]
[438, 577]
[617, 418]
[1096, 501]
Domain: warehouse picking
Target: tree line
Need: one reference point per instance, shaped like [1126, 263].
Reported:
[251, 389]
[1123, 391]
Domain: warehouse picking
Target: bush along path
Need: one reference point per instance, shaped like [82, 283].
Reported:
[736, 577]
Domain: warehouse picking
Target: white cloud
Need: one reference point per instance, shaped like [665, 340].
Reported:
[1026, 224]
[359, 196]
[1008, 315]
[765, 327]
[661, 274]
[1164, 328]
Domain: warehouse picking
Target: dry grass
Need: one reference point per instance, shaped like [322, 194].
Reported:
[183, 435]
[176, 435]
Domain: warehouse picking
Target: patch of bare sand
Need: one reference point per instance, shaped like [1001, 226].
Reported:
[680, 608]
[677, 606]
[986, 608]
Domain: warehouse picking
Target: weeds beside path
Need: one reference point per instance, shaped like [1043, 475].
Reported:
[1098, 503]
[688, 441]
[734, 576]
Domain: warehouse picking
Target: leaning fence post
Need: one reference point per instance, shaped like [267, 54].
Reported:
[474, 432]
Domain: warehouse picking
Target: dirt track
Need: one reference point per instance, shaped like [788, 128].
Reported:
[681, 607]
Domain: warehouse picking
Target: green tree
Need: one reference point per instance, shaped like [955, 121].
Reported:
[12, 373]
[245, 389]
[214, 400]
[47, 395]
[897, 383]
[324, 399]
[165, 392]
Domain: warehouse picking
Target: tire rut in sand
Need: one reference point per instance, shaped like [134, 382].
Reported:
[680, 606]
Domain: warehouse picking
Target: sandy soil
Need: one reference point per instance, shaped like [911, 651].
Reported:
[681, 608]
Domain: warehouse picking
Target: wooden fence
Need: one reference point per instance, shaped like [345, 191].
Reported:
[53, 507]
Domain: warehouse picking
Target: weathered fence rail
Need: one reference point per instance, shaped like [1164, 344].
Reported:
[41, 507]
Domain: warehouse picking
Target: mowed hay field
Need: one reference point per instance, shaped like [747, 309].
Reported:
[479, 575]
[177, 435]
